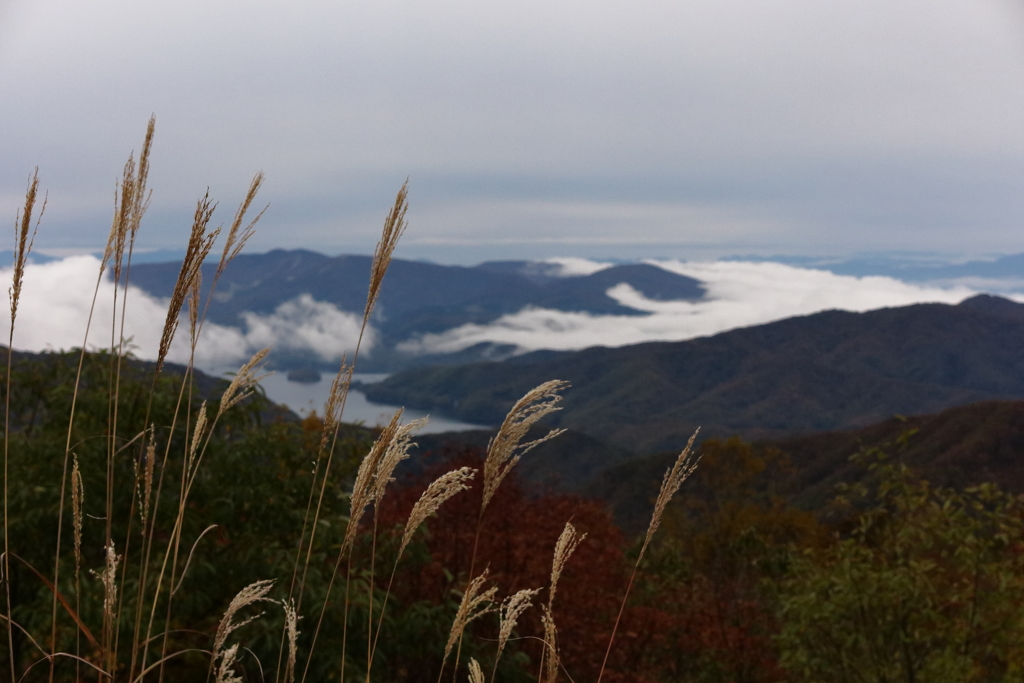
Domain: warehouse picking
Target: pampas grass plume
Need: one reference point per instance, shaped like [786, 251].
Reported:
[77, 500]
[505, 450]
[476, 674]
[475, 603]
[197, 436]
[397, 450]
[549, 662]
[243, 383]
[23, 241]
[199, 245]
[567, 543]
[440, 490]
[362, 488]
[335, 403]
[291, 625]
[251, 594]
[394, 226]
[683, 467]
[237, 235]
[508, 616]
[144, 483]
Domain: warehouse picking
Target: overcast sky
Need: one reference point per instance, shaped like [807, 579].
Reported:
[654, 128]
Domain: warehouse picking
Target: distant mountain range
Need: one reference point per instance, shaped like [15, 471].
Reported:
[827, 371]
[417, 297]
[899, 265]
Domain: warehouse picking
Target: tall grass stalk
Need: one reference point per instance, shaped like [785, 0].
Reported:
[429, 502]
[475, 603]
[394, 228]
[188, 289]
[681, 469]
[24, 238]
[566, 545]
[129, 209]
[505, 449]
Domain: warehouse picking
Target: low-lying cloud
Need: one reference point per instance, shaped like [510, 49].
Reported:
[304, 324]
[56, 298]
[54, 311]
[739, 294]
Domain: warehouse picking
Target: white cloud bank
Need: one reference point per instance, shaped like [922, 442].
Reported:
[54, 310]
[56, 297]
[739, 294]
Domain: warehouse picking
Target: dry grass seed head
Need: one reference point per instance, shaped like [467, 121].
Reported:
[226, 668]
[199, 245]
[504, 450]
[394, 226]
[475, 603]
[129, 205]
[144, 483]
[567, 542]
[397, 450]
[237, 235]
[335, 403]
[476, 674]
[141, 179]
[123, 202]
[243, 383]
[683, 467]
[362, 488]
[23, 241]
[108, 577]
[193, 307]
[509, 614]
[197, 436]
[77, 500]
[291, 625]
[549, 660]
[440, 490]
[251, 594]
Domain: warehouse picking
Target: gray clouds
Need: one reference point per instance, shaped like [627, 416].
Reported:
[532, 129]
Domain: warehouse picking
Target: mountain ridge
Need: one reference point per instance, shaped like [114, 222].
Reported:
[417, 297]
[825, 371]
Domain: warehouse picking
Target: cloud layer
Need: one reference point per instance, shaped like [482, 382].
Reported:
[739, 294]
[534, 128]
[54, 311]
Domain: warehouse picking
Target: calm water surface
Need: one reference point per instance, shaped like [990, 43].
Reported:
[305, 398]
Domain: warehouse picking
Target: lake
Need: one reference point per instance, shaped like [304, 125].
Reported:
[303, 398]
